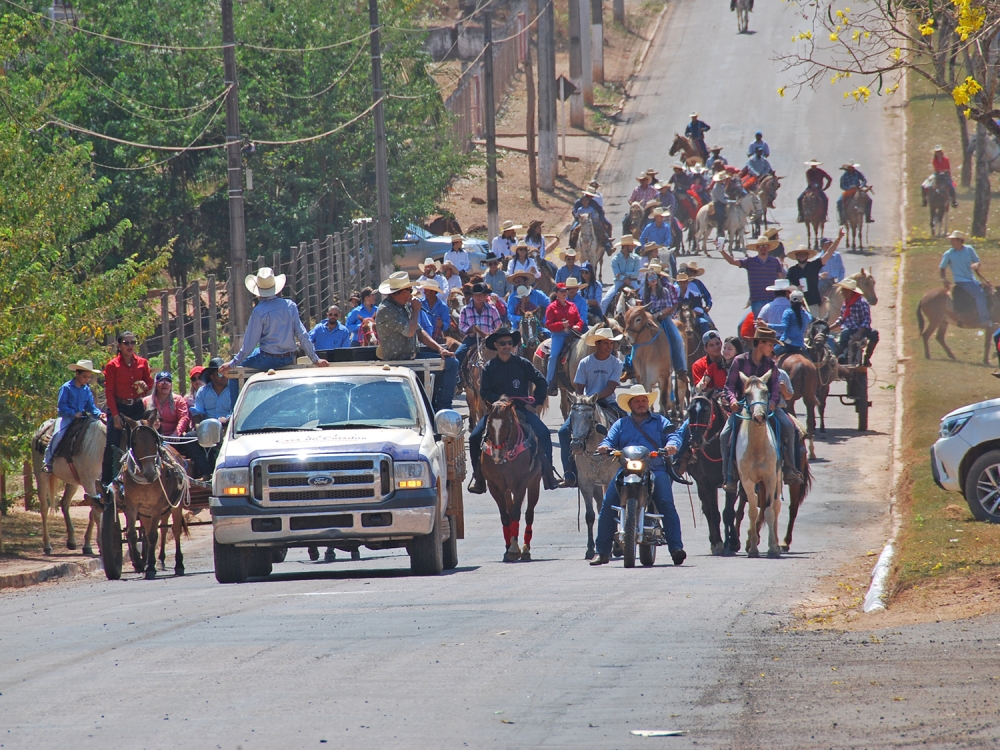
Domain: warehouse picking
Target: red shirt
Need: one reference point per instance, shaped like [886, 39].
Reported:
[557, 312]
[120, 380]
[940, 163]
[716, 374]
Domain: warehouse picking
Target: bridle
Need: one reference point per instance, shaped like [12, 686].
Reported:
[133, 466]
[508, 447]
[700, 448]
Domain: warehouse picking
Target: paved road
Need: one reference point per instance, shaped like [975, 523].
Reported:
[551, 653]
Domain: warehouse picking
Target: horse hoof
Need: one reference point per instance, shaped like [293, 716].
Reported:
[48, 549]
[88, 550]
[525, 556]
[509, 557]
[753, 553]
[728, 553]
[178, 571]
[71, 545]
[150, 574]
[784, 548]
[590, 554]
[773, 554]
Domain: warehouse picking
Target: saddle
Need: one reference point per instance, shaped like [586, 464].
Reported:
[70, 444]
[963, 302]
[543, 352]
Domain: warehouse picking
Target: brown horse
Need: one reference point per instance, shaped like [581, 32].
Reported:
[827, 369]
[814, 217]
[939, 203]
[939, 307]
[856, 204]
[687, 322]
[690, 153]
[512, 469]
[651, 358]
[367, 334]
[767, 191]
[805, 383]
[155, 486]
[472, 375]
[636, 218]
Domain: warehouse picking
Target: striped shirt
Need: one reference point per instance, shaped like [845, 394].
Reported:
[761, 275]
[486, 320]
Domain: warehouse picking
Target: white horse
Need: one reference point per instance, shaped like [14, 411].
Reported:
[593, 472]
[742, 16]
[759, 466]
[588, 246]
[736, 221]
[85, 471]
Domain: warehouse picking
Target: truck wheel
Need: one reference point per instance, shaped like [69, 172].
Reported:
[230, 563]
[450, 552]
[260, 562]
[111, 542]
[278, 554]
[426, 552]
[982, 487]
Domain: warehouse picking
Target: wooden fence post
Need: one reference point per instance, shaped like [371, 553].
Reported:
[181, 339]
[331, 272]
[199, 341]
[302, 274]
[290, 272]
[165, 328]
[316, 261]
[276, 263]
[213, 319]
[340, 255]
[229, 297]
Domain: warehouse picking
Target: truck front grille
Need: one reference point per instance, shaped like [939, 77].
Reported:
[320, 480]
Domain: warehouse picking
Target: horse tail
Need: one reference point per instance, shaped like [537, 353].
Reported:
[920, 316]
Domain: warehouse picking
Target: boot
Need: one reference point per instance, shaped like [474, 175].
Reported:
[869, 219]
[569, 480]
[553, 389]
[478, 485]
[731, 485]
[678, 556]
[47, 468]
[600, 560]
[792, 476]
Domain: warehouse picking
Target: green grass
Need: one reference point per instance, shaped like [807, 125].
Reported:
[933, 518]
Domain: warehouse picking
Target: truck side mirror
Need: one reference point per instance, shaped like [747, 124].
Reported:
[449, 423]
[209, 433]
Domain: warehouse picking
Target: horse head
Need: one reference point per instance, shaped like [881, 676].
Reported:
[866, 285]
[701, 417]
[756, 394]
[679, 143]
[582, 418]
[144, 445]
[636, 319]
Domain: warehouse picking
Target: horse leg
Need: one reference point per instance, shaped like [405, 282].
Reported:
[589, 492]
[150, 547]
[941, 331]
[709, 497]
[771, 514]
[503, 501]
[67, 496]
[795, 495]
[93, 522]
[987, 342]
[132, 536]
[821, 396]
[529, 518]
[732, 526]
[163, 547]
[513, 529]
[753, 537]
[45, 491]
[178, 527]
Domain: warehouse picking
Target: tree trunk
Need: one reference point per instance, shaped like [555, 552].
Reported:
[529, 79]
[963, 131]
[981, 207]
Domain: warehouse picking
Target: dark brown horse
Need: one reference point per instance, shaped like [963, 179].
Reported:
[512, 469]
[822, 356]
[940, 309]
[814, 217]
[805, 383]
[939, 203]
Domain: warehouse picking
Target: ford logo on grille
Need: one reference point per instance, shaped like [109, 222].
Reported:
[320, 481]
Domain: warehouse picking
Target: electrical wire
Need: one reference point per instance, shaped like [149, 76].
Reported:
[322, 135]
[104, 83]
[193, 113]
[323, 91]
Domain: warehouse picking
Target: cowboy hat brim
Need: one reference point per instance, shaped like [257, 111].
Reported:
[251, 284]
[624, 399]
[81, 367]
[693, 272]
[386, 287]
[520, 274]
[491, 340]
[796, 253]
[593, 338]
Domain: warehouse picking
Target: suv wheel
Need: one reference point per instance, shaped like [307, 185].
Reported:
[426, 552]
[230, 563]
[450, 552]
[982, 487]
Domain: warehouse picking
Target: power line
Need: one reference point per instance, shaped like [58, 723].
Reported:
[322, 135]
[193, 112]
[323, 91]
[100, 80]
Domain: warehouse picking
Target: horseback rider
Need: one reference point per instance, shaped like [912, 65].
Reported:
[761, 271]
[794, 322]
[709, 373]
[525, 298]
[598, 374]
[942, 167]
[774, 311]
[696, 130]
[126, 380]
[625, 266]
[429, 272]
[458, 256]
[720, 199]
[680, 180]
[696, 285]
[757, 167]
[644, 191]
[590, 290]
[586, 205]
[504, 242]
[964, 263]
[819, 182]
[511, 375]
[495, 276]
[657, 232]
[805, 273]
[833, 271]
[477, 320]
[76, 400]
[521, 261]
[655, 432]
[758, 142]
[698, 186]
[715, 157]
[690, 293]
[855, 321]
[562, 318]
[573, 296]
[757, 363]
[570, 269]
[598, 195]
[660, 298]
[850, 182]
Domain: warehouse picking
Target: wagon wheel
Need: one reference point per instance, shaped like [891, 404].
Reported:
[111, 541]
[861, 401]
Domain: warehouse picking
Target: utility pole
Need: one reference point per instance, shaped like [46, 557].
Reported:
[618, 9]
[547, 133]
[576, 113]
[529, 129]
[586, 56]
[597, 38]
[383, 236]
[492, 207]
[239, 305]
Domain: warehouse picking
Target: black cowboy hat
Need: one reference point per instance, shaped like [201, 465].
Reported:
[491, 340]
[480, 288]
[212, 367]
[491, 256]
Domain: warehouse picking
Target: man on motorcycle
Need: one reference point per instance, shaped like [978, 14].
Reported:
[819, 181]
[850, 182]
[757, 363]
[941, 166]
[653, 431]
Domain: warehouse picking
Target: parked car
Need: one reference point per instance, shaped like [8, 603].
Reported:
[966, 457]
[418, 244]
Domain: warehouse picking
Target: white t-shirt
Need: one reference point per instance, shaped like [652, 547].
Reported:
[595, 374]
[460, 260]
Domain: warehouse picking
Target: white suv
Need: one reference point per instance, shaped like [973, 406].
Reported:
[966, 457]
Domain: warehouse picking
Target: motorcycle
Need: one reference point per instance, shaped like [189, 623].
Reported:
[639, 525]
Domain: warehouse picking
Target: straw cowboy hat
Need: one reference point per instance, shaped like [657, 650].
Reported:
[803, 249]
[780, 285]
[508, 226]
[522, 292]
[427, 262]
[624, 399]
[692, 269]
[848, 284]
[265, 284]
[457, 238]
[678, 165]
[655, 268]
[84, 365]
[652, 202]
[601, 334]
[452, 266]
[958, 234]
[568, 253]
[715, 148]
[430, 286]
[938, 147]
[396, 282]
[573, 283]
[642, 177]
[626, 241]
[589, 192]
[652, 173]
[813, 163]
[761, 242]
[681, 276]
[512, 277]
[850, 165]
[772, 232]
[763, 333]
[522, 245]
[720, 176]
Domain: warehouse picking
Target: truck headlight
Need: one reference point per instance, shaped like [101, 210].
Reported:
[953, 425]
[231, 482]
[411, 475]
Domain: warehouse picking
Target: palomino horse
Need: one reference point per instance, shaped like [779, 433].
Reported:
[155, 486]
[814, 217]
[866, 285]
[742, 16]
[472, 375]
[512, 469]
[939, 307]
[590, 244]
[594, 472]
[856, 207]
[691, 153]
[805, 385]
[651, 358]
[575, 349]
[367, 334]
[706, 419]
[85, 471]
[758, 464]
[736, 221]
[939, 203]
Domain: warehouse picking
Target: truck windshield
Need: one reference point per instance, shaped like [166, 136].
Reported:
[328, 404]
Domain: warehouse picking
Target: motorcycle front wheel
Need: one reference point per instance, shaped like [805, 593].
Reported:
[630, 532]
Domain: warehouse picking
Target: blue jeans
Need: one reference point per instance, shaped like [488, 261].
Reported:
[444, 381]
[59, 431]
[463, 349]
[260, 361]
[676, 345]
[976, 291]
[558, 342]
[663, 499]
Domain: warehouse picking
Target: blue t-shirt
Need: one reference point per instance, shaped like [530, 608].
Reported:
[961, 263]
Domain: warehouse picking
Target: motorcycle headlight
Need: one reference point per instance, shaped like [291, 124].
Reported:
[633, 465]
[953, 425]
[231, 482]
[411, 475]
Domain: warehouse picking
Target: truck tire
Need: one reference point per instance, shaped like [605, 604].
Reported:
[260, 562]
[278, 554]
[982, 487]
[427, 552]
[111, 542]
[450, 552]
[230, 563]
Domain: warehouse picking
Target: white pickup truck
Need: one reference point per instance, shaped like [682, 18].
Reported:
[349, 455]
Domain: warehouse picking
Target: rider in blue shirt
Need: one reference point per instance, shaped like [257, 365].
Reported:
[851, 179]
[758, 142]
[653, 431]
[696, 130]
[75, 400]
[330, 333]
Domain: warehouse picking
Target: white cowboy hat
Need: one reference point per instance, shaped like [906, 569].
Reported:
[958, 234]
[427, 262]
[642, 177]
[652, 202]
[803, 249]
[569, 252]
[590, 192]
[573, 283]
[848, 165]
[396, 282]
[655, 268]
[678, 165]
[265, 283]
[452, 266]
[84, 365]
[720, 176]
[780, 285]
[601, 334]
[457, 238]
[518, 274]
[660, 211]
[938, 147]
[624, 399]
[813, 163]
[693, 269]
[849, 284]
[522, 292]
[430, 286]
[508, 226]
[693, 114]
[627, 241]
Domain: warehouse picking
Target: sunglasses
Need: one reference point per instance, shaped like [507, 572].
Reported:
[128, 343]
[508, 342]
